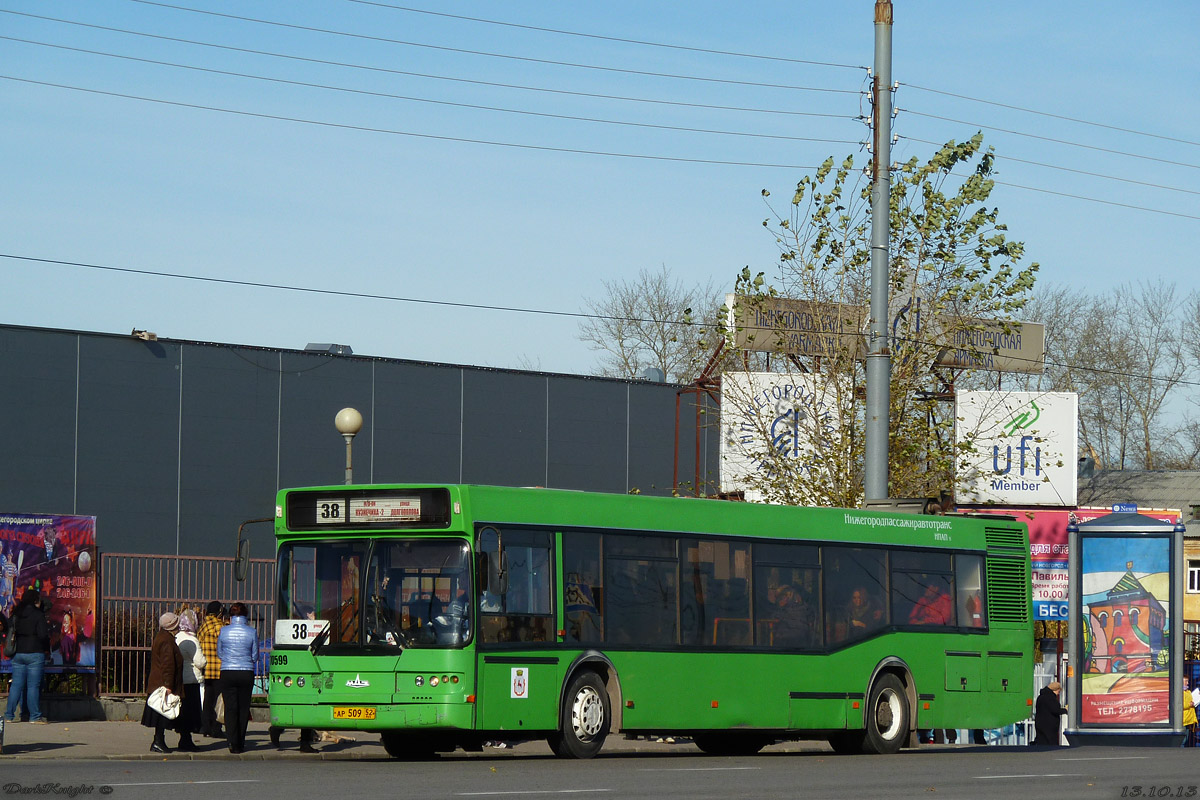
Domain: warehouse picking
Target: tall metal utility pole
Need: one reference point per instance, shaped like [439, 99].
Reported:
[878, 354]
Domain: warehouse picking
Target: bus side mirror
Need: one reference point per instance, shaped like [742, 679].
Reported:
[495, 577]
[241, 558]
[241, 562]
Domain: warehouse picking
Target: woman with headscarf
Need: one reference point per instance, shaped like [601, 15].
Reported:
[166, 670]
[193, 678]
[28, 625]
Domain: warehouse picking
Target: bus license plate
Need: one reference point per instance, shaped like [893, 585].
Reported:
[353, 712]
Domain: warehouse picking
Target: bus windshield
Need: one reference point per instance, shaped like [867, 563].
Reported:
[379, 593]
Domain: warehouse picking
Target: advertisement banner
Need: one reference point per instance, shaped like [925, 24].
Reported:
[1019, 448]
[1126, 593]
[1049, 550]
[56, 555]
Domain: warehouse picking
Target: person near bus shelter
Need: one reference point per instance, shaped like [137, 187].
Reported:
[210, 629]
[237, 647]
[1189, 714]
[1047, 714]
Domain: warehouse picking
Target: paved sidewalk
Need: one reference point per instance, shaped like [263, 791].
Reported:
[126, 740]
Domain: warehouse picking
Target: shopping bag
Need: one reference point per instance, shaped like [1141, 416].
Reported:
[164, 703]
[219, 709]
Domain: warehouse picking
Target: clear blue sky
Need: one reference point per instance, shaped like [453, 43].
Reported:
[118, 182]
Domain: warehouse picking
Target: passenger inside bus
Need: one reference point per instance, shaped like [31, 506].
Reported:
[453, 625]
[934, 607]
[796, 623]
[861, 615]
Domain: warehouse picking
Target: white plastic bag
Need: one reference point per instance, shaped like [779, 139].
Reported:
[164, 702]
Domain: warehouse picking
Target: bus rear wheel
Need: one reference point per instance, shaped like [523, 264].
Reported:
[585, 718]
[407, 746]
[887, 716]
[730, 744]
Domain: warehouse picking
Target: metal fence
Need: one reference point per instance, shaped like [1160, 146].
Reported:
[136, 589]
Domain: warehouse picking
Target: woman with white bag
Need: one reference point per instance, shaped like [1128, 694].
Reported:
[164, 684]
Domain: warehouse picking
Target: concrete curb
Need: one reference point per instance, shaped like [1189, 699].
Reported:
[71, 708]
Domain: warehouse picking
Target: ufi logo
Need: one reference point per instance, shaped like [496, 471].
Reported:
[1021, 421]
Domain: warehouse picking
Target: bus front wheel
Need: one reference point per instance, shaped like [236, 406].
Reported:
[585, 718]
[887, 716]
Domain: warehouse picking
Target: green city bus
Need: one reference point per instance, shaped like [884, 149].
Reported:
[447, 616]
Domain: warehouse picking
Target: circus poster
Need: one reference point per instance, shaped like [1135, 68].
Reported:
[1126, 588]
[56, 555]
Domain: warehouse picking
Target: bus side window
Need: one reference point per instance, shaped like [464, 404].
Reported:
[922, 588]
[583, 590]
[714, 595]
[972, 605]
[855, 590]
[524, 613]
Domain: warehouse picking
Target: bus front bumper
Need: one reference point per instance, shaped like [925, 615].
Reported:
[385, 717]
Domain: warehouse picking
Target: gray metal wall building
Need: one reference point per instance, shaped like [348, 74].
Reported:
[171, 444]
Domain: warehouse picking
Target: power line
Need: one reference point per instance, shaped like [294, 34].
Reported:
[1062, 168]
[1048, 114]
[547, 115]
[518, 145]
[390, 71]
[528, 59]
[604, 38]
[392, 132]
[1050, 139]
[1098, 200]
[334, 292]
[484, 306]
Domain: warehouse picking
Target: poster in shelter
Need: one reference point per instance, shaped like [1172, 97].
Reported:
[56, 555]
[1126, 588]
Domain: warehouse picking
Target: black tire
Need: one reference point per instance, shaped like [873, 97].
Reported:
[407, 746]
[585, 718]
[887, 716]
[846, 743]
[730, 744]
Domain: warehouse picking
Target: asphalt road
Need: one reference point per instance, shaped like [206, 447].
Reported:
[1061, 774]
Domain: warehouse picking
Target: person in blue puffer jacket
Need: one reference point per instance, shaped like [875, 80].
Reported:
[237, 646]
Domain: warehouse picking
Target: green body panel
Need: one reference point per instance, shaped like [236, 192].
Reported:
[504, 706]
[964, 672]
[679, 689]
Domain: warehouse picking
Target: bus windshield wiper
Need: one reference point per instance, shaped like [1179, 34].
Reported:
[319, 641]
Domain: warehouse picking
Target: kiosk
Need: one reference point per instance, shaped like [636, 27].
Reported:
[1125, 679]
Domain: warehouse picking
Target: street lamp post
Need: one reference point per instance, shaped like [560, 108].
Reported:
[348, 422]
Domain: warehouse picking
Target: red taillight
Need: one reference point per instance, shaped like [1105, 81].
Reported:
[470, 698]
